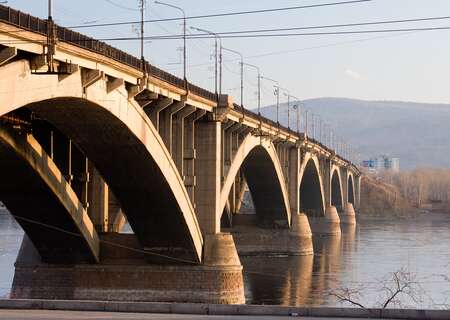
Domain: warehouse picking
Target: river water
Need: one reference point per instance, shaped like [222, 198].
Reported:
[363, 258]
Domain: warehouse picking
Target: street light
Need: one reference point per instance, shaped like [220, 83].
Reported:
[184, 33]
[277, 93]
[142, 8]
[216, 36]
[242, 71]
[297, 108]
[259, 90]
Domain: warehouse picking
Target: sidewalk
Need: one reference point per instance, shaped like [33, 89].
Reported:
[33, 309]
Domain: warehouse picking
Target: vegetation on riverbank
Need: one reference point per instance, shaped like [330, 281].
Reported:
[424, 189]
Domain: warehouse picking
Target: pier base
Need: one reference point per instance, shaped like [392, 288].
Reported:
[126, 276]
[348, 216]
[252, 239]
[330, 224]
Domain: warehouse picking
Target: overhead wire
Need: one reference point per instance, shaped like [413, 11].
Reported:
[226, 14]
[74, 234]
[270, 35]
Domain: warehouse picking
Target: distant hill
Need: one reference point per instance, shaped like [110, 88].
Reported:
[417, 133]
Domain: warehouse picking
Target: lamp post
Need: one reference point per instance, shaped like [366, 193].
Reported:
[297, 109]
[142, 8]
[288, 95]
[184, 32]
[306, 123]
[216, 55]
[277, 93]
[241, 64]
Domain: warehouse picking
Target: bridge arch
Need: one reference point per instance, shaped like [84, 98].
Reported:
[351, 188]
[312, 200]
[258, 159]
[337, 194]
[118, 137]
[43, 203]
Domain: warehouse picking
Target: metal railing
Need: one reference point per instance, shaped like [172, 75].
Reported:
[34, 24]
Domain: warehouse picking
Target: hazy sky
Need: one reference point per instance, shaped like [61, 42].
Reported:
[412, 66]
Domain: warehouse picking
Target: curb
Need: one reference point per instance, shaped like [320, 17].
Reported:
[221, 309]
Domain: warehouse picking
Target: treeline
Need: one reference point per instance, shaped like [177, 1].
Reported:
[420, 186]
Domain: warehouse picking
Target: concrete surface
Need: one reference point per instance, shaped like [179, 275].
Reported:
[89, 315]
[103, 309]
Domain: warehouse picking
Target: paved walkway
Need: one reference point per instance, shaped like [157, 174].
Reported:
[87, 315]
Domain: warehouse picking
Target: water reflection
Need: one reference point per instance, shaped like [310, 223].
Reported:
[361, 255]
[301, 280]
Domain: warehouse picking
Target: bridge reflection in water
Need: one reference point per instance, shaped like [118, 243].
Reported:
[300, 280]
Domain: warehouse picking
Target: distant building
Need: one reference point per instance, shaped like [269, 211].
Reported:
[381, 163]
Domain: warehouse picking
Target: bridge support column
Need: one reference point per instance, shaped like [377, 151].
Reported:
[98, 197]
[208, 174]
[255, 240]
[348, 216]
[357, 192]
[327, 225]
[127, 275]
[300, 231]
[104, 209]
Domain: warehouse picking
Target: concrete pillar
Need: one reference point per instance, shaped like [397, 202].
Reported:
[300, 236]
[116, 217]
[208, 174]
[344, 175]
[98, 196]
[348, 216]
[294, 180]
[190, 153]
[229, 148]
[166, 123]
[220, 250]
[327, 225]
[357, 187]
[326, 165]
[154, 112]
[178, 145]
[240, 196]
[220, 253]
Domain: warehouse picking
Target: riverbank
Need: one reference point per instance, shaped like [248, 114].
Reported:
[219, 309]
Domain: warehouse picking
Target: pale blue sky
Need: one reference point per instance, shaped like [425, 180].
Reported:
[412, 67]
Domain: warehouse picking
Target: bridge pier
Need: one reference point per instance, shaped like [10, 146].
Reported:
[127, 275]
[348, 215]
[253, 239]
[328, 225]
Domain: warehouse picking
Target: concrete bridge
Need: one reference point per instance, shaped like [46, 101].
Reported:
[89, 142]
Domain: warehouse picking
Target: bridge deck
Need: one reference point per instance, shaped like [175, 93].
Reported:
[39, 26]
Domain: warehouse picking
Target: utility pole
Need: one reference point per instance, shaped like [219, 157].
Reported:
[51, 41]
[277, 93]
[216, 36]
[259, 90]
[306, 123]
[142, 8]
[184, 33]
[241, 64]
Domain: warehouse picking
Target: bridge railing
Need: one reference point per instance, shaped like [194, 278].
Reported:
[31, 23]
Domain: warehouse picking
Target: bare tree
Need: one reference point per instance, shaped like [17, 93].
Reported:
[398, 286]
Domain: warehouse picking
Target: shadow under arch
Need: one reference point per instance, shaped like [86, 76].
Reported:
[312, 201]
[117, 136]
[43, 203]
[351, 189]
[337, 199]
[258, 160]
